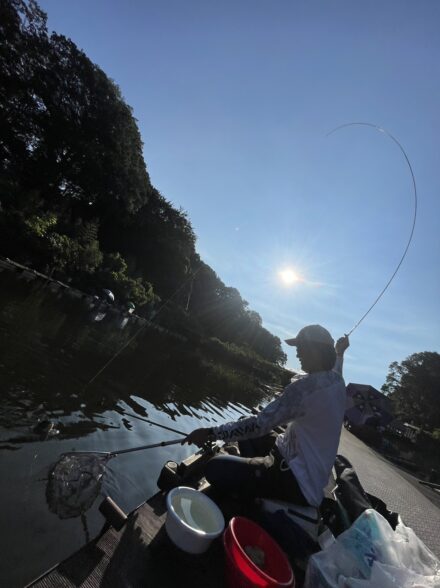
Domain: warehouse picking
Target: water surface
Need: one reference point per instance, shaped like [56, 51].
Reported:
[50, 348]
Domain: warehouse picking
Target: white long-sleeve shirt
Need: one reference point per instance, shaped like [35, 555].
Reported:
[312, 407]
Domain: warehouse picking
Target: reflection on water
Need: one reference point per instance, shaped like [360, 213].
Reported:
[50, 348]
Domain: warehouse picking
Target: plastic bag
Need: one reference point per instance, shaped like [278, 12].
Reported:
[370, 554]
[383, 576]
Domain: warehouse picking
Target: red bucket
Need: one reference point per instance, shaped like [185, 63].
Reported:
[253, 558]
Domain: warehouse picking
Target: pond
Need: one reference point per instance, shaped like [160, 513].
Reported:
[51, 348]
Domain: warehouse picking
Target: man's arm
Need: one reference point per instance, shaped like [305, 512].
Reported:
[341, 346]
[287, 407]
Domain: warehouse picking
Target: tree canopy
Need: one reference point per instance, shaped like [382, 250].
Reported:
[76, 198]
[414, 388]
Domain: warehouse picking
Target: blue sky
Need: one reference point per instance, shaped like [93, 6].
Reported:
[234, 99]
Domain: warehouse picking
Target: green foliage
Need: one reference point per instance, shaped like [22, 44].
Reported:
[87, 232]
[414, 388]
[64, 251]
[245, 358]
[40, 225]
[113, 275]
[89, 257]
[224, 314]
[72, 256]
[75, 195]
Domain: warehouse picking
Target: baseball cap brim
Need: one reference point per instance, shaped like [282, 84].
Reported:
[312, 334]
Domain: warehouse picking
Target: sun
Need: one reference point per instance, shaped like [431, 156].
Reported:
[288, 276]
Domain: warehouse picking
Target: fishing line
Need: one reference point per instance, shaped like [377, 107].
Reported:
[105, 366]
[384, 131]
[150, 422]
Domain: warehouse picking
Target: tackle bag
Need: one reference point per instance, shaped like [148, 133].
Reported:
[353, 499]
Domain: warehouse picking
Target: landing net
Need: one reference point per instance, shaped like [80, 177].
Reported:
[74, 483]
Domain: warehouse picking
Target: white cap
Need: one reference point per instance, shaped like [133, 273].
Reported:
[312, 334]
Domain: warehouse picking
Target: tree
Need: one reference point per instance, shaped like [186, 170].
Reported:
[69, 141]
[225, 315]
[76, 197]
[414, 388]
[158, 243]
[113, 275]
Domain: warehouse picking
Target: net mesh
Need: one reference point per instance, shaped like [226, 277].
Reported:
[74, 483]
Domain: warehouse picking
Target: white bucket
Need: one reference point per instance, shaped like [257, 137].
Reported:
[193, 519]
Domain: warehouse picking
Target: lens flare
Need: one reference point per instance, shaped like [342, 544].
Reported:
[288, 276]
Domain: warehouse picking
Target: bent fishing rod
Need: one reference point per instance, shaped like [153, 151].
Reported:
[393, 138]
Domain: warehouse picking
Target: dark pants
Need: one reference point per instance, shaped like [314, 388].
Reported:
[258, 447]
[255, 477]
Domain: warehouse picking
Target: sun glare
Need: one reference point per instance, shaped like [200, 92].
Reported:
[288, 276]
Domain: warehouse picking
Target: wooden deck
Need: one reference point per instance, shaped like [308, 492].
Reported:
[139, 555]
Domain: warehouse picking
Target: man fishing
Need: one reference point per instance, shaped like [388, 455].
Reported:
[312, 408]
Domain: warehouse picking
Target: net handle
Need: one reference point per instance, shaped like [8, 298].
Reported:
[141, 447]
[109, 454]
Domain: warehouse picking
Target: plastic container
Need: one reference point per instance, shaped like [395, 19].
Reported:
[193, 519]
[273, 571]
[307, 517]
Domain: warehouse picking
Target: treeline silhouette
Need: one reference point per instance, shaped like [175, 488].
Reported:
[76, 199]
[50, 350]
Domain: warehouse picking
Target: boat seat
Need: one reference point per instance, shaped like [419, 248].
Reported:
[307, 517]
